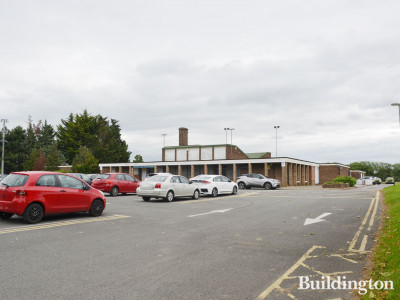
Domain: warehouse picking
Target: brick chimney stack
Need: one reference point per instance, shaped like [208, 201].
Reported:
[183, 136]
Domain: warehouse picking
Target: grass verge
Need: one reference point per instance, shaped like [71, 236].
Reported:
[386, 258]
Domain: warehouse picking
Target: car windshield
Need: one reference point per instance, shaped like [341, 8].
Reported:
[15, 180]
[103, 176]
[157, 178]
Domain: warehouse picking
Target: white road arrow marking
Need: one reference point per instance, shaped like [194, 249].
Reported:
[317, 219]
[211, 212]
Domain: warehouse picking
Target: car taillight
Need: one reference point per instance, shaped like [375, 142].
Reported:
[158, 186]
[206, 182]
[108, 182]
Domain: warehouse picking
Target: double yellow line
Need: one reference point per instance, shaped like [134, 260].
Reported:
[374, 205]
[59, 224]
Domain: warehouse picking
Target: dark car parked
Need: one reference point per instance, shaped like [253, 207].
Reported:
[83, 177]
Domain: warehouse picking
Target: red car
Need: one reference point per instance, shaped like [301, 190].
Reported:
[114, 183]
[35, 194]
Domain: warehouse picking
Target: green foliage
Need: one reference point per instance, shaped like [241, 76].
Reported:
[85, 162]
[96, 133]
[345, 179]
[378, 169]
[386, 256]
[30, 161]
[40, 162]
[53, 160]
[138, 158]
[15, 152]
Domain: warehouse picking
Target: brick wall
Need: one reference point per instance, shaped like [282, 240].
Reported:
[236, 153]
[329, 172]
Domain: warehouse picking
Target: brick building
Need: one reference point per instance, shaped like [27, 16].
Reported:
[231, 161]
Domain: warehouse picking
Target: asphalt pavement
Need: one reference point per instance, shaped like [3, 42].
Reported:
[254, 245]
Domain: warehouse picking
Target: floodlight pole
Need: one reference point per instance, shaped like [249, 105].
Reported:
[276, 140]
[397, 104]
[2, 151]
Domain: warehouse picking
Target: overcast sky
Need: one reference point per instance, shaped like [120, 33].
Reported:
[326, 72]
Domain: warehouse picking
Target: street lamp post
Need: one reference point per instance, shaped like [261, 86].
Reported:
[164, 134]
[397, 104]
[2, 152]
[226, 137]
[276, 140]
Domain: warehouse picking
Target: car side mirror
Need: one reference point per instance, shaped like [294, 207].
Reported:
[229, 180]
[190, 182]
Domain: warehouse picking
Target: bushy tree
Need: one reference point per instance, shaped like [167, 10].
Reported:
[102, 137]
[85, 162]
[138, 158]
[30, 161]
[40, 162]
[15, 152]
[53, 159]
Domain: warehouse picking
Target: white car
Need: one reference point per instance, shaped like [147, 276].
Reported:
[167, 187]
[215, 185]
[369, 180]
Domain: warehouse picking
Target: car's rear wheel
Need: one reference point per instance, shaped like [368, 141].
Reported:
[214, 192]
[5, 215]
[267, 186]
[146, 199]
[234, 191]
[241, 185]
[97, 207]
[33, 213]
[114, 191]
[196, 195]
[170, 196]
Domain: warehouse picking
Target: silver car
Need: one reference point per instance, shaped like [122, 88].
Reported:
[167, 187]
[247, 181]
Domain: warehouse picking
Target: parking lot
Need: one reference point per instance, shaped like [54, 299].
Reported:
[252, 245]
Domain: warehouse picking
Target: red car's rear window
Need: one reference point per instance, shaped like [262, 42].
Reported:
[15, 180]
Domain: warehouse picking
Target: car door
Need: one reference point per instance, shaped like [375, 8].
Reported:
[122, 183]
[74, 194]
[218, 184]
[47, 189]
[176, 186]
[187, 188]
[250, 179]
[226, 184]
[259, 180]
[131, 184]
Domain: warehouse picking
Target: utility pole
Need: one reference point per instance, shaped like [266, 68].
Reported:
[2, 152]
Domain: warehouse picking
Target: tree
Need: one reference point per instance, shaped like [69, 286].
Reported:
[53, 160]
[96, 133]
[138, 158]
[15, 152]
[40, 162]
[85, 162]
[30, 161]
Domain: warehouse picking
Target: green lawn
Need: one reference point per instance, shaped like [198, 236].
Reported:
[386, 258]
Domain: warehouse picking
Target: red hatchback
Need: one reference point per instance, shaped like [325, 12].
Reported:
[114, 183]
[35, 194]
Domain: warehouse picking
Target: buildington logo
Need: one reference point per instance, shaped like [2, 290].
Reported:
[340, 283]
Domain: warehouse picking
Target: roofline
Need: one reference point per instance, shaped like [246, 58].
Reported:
[213, 162]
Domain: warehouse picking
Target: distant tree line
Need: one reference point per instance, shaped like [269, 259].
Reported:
[81, 140]
[378, 169]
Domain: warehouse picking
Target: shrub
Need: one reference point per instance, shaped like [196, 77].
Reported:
[346, 179]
